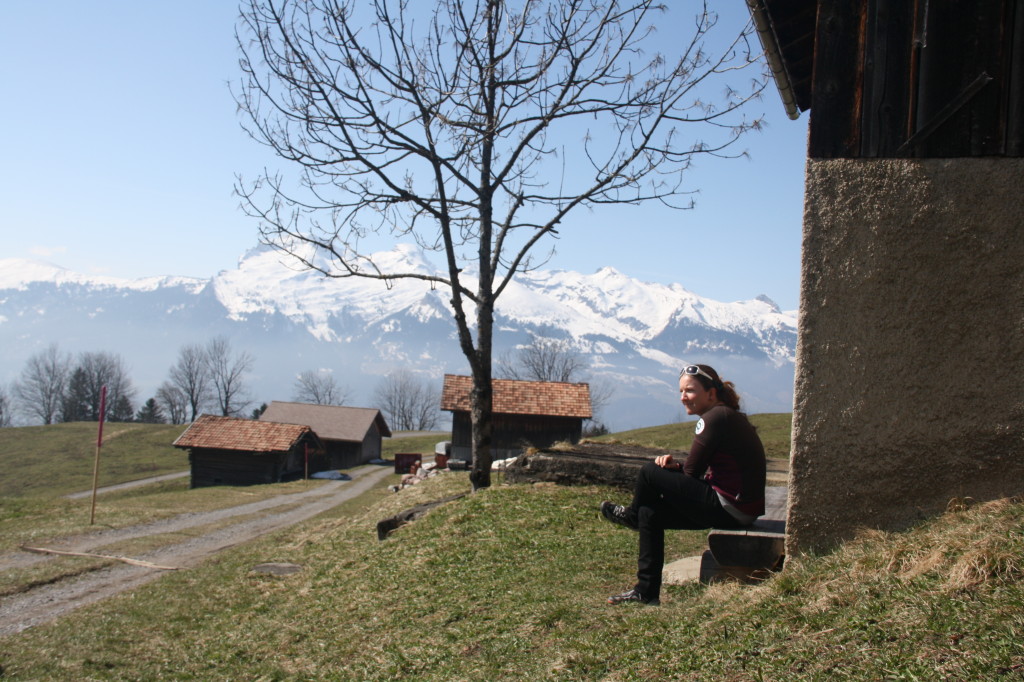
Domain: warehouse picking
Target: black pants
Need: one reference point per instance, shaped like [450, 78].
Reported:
[670, 499]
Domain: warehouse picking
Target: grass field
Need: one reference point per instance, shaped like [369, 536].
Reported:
[774, 430]
[509, 584]
[49, 461]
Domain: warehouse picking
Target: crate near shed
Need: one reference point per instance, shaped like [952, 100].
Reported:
[405, 460]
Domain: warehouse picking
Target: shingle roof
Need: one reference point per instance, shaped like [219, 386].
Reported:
[231, 433]
[331, 422]
[543, 398]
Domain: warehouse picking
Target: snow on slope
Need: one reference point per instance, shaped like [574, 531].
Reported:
[609, 303]
[605, 304]
[629, 333]
[18, 274]
[268, 281]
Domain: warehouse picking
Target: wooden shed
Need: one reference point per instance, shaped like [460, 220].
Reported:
[232, 451]
[526, 413]
[350, 435]
[911, 258]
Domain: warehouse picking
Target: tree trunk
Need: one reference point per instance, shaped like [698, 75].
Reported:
[481, 399]
[480, 415]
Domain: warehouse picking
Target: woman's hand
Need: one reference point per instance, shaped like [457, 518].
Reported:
[666, 462]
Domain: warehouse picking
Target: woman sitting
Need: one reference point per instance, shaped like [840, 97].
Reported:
[720, 484]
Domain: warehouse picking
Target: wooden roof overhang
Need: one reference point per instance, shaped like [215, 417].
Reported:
[900, 78]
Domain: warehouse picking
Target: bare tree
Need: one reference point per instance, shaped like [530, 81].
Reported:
[320, 388]
[190, 375]
[174, 401]
[542, 360]
[82, 396]
[474, 131]
[553, 360]
[227, 371]
[408, 403]
[40, 390]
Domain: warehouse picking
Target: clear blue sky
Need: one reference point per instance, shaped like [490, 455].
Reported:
[121, 143]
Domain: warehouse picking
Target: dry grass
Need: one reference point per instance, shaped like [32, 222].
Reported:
[509, 584]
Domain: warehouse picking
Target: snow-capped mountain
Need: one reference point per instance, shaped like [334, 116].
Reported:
[633, 335]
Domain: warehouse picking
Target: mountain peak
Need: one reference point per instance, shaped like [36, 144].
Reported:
[772, 304]
[629, 334]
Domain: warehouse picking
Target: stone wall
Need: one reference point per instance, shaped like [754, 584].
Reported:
[910, 363]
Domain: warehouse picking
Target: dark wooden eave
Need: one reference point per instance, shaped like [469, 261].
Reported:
[900, 78]
[786, 30]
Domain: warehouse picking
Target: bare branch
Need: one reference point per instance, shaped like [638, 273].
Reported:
[474, 128]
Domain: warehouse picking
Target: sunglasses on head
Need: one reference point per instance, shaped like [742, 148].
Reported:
[693, 370]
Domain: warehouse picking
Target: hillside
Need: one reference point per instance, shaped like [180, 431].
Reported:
[58, 459]
[509, 584]
[49, 461]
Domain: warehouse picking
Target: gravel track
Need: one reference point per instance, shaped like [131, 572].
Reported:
[44, 603]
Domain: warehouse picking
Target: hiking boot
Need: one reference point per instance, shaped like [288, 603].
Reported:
[616, 513]
[632, 596]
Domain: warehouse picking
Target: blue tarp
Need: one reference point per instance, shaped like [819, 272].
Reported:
[332, 476]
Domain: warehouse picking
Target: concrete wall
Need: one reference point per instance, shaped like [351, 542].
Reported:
[910, 363]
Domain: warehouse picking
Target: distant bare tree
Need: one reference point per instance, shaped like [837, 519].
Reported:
[542, 360]
[320, 388]
[227, 371]
[174, 401]
[408, 403]
[600, 393]
[553, 360]
[5, 408]
[92, 372]
[190, 375]
[40, 390]
[108, 369]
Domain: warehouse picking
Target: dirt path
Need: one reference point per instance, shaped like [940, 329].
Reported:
[129, 484]
[47, 602]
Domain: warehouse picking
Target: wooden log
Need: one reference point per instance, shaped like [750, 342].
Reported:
[389, 525]
[124, 559]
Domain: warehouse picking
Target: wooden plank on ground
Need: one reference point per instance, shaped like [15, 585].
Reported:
[127, 560]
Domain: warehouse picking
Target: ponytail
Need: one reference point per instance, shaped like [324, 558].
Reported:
[727, 394]
[726, 389]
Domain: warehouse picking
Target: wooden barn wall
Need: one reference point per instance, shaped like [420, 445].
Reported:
[511, 432]
[371, 447]
[918, 78]
[342, 454]
[231, 467]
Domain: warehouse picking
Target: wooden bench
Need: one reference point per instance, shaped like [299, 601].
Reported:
[753, 553]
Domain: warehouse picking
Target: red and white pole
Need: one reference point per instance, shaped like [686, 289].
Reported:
[99, 444]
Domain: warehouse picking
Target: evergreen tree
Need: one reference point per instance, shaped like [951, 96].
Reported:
[122, 410]
[5, 408]
[75, 406]
[150, 413]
